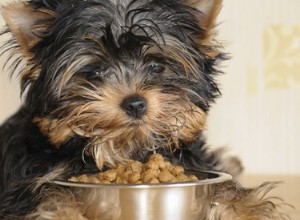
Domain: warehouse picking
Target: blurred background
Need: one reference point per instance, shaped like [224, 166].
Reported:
[258, 116]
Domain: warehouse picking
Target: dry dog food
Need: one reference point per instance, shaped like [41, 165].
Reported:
[156, 170]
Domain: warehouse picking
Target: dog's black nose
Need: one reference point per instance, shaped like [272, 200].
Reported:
[135, 106]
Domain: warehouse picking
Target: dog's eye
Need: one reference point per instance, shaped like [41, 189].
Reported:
[95, 74]
[98, 73]
[156, 68]
[92, 74]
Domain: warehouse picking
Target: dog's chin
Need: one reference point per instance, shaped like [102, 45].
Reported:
[117, 140]
[119, 145]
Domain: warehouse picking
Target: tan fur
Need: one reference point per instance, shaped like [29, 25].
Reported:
[73, 67]
[177, 50]
[59, 204]
[56, 132]
[21, 20]
[210, 10]
[114, 135]
[233, 202]
[30, 72]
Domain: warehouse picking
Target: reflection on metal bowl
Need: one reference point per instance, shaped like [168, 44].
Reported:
[172, 201]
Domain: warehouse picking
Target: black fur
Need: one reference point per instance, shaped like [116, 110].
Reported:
[27, 154]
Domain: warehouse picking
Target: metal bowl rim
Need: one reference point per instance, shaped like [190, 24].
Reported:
[221, 177]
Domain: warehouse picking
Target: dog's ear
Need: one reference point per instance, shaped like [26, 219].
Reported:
[26, 23]
[209, 11]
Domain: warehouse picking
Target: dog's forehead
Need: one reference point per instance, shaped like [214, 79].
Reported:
[125, 24]
[122, 13]
[121, 2]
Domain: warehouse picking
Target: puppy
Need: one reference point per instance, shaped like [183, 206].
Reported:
[104, 81]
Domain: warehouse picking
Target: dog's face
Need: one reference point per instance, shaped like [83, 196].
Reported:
[124, 74]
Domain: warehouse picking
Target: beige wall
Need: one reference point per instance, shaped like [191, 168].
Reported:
[258, 115]
[9, 89]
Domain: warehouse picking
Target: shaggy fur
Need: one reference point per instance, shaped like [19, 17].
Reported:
[105, 81]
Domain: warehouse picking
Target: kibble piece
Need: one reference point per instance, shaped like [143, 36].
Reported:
[177, 170]
[137, 167]
[83, 178]
[148, 177]
[120, 180]
[192, 178]
[105, 182]
[156, 157]
[168, 165]
[73, 179]
[100, 175]
[161, 164]
[126, 174]
[165, 176]
[134, 177]
[110, 175]
[94, 180]
[182, 178]
[156, 170]
[121, 168]
[151, 165]
[129, 163]
[154, 181]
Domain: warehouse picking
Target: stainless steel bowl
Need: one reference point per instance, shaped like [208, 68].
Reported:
[174, 201]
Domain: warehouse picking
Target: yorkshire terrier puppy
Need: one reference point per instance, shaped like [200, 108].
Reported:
[104, 81]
